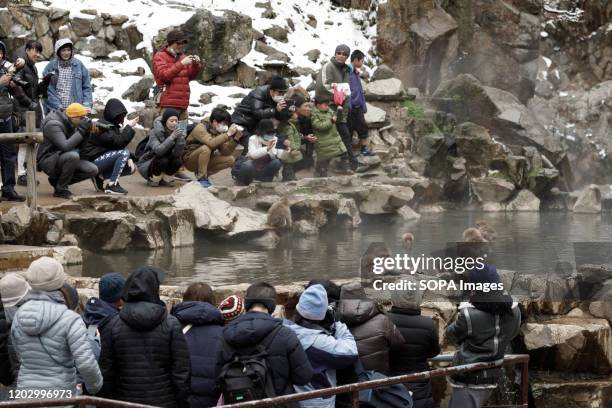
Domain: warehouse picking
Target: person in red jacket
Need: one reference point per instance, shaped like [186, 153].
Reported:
[173, 70]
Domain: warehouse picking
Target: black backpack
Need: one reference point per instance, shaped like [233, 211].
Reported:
[246, 377]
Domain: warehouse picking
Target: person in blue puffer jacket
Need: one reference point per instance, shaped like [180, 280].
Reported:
[203, 329]
[50, 340]
[327, 351]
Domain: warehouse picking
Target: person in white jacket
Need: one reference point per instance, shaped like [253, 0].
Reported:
[327, 350]
[264, 157]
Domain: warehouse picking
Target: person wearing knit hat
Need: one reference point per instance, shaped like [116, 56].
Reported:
[421, 341]
[333, 76]
[231, 307]
[110, 288]
[13, 288]
[313, 303]
[161, 159]
[172, 71]
[46, 274]
[329, 348]
[70, 81]
[287, 362]
[58, 155]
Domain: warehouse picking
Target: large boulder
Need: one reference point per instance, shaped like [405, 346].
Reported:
[139, 91]
[589, 201]
[272, 53]
[434, 150]
[413, 38]
[390, 89]
[375, 117]
[221, 41]
[524, 201]
[497, 110]
[103, 231]
[492, 189]
[570, 344]
[475, 144]
[601, 303]
[210, 212]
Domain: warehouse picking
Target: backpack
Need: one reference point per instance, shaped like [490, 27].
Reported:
[140, 148]
[246, 376]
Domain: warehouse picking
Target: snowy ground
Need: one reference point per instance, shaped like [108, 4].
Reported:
[152, 15]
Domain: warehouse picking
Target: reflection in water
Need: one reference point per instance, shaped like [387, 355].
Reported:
[526, 242]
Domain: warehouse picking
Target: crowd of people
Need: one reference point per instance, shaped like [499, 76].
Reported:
[277, 126]
[126, 345]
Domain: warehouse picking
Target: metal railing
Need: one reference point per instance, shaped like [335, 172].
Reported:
[353, 389]
[31, 139]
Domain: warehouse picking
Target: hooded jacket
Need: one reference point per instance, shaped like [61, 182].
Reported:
[162, 142]
[288, 128]
[51, 343]
[80, 92]
[6, 372]
[99, 313]
[374, 332]
[144, 355]
[287, 360]
[482, 332]
[254, 107]
[329, 144]
[326, 354]
[421, 343]
[8, 91]
[114, 138]
[357, 94]
[204, 340]
[334, 73]
[59, 137]
[172, 75]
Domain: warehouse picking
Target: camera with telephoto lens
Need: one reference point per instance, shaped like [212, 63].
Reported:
[17, 77]
[103, 125]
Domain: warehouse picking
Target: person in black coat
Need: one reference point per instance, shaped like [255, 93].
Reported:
[6, 372]
[108, 149]
[264, 102]
[203, 329]
[144, 356]
[421, 342]
[287, 360]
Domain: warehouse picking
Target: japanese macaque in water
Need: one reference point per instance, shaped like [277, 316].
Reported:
[486, 230]
[473, 235]
[279, 215]
[408, 241]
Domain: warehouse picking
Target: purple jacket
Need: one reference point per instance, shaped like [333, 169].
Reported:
[357, 94]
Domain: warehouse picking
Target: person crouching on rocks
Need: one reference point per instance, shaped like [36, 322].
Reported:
[329, 144]
[210, 146]
[287, 128]
[161, 158]
[263, 157]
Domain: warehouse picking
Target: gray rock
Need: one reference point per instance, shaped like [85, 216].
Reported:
[272, 53]
[210, 212]
[206, 98]
[94, 47]
[102, 231]
[139, 91]
[589, 201]
[492, 189]
[312, 21]
[313, 55]
[278, 33]
[524, 201]
[408, 214]
[383, 72]
[119, 19]
[477, 147]
[305, 228]
[375, 117]
[385, 90]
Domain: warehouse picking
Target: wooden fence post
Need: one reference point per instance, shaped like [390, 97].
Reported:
[31, 149]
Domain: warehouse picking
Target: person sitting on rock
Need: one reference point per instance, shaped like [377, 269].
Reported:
[58, 156]
[210, 146]
[328, 144]
[264, 102]
[108, 149]
[288, 130]
[162, 154]
[263, 161]
[69, 82]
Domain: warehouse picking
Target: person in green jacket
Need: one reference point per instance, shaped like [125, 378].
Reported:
[329, 145]
[287, 127]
